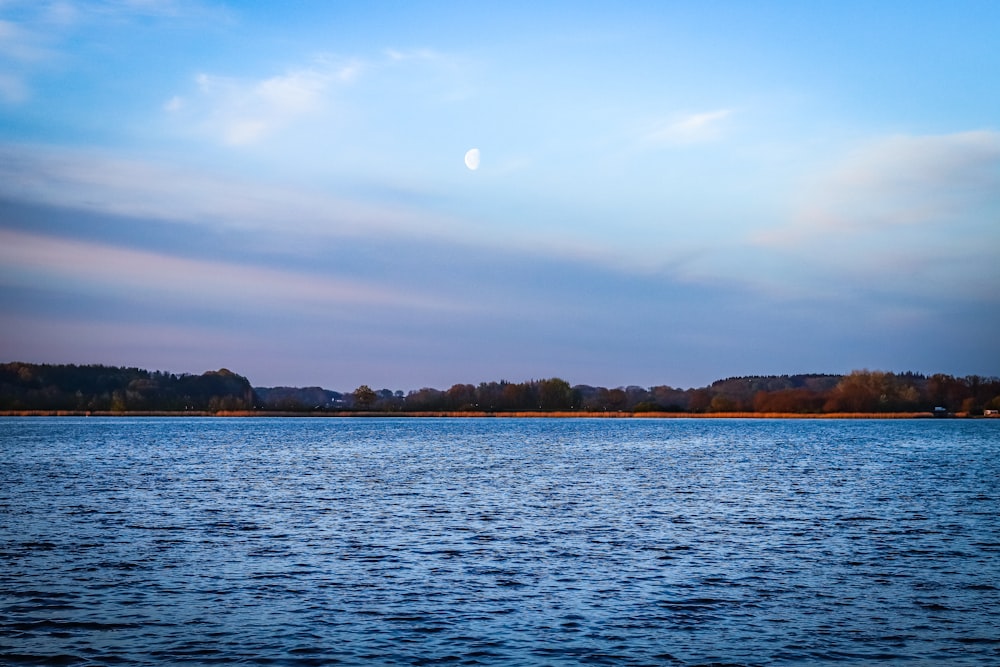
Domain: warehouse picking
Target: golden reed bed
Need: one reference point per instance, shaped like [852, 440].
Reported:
[563, 414]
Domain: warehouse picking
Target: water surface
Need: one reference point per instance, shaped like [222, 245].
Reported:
[499, 541]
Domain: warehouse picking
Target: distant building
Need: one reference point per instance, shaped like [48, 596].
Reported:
[991, 413]
[940, 412]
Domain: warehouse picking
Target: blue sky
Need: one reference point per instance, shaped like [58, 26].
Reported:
[668, 192]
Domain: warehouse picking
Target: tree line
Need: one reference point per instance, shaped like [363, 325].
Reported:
[45, 387]
[96, 388]
[860, 391]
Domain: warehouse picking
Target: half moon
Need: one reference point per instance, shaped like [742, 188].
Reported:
[472, 159]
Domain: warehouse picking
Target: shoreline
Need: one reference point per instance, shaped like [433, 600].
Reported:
[559, 414]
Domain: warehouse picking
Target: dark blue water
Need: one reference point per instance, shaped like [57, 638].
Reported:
[495, 541]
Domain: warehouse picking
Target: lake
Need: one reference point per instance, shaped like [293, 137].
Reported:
[143, 541]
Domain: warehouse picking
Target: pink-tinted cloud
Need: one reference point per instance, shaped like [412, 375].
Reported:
[30, 259]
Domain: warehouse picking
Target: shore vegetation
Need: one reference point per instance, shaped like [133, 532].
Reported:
[96, 389]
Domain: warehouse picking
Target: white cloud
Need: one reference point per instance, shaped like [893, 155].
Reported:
[690, 129]
[174, 104]
[22, 48]
[240, 112]
[22, 44]
[417, 54]
[294, 93]
[149, 5]
[917, 214]
[157, 8]
[62, 13]
[342, 71]
[38, 37]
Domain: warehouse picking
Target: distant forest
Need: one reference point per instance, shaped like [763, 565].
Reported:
[112, 389]
[94, 388]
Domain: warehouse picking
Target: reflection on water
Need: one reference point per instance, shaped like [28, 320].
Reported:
[495, 541]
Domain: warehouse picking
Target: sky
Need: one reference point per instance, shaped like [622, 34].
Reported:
[666, 192]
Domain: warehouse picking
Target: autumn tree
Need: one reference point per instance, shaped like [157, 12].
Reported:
[462, 397]
[861, 391]
[364, 396]
[700, 400]
[669, 398]
[875, 391]
[425, 399]
[800, 400]
[555, 394]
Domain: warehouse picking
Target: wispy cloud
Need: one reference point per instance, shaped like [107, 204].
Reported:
[21, 43]
[150, 6]
[62, 13]
[238, 112]
[105, 183]
[690, 129]
[174, 104]
[169, 9]
[416, 54]
[944, 180]
[24, 46]
[34, 259]
[913, 214]
[36, 34]
[97, 181]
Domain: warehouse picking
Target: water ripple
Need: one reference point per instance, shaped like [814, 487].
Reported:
[487, 542]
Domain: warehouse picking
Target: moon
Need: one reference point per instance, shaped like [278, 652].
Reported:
[472, 159]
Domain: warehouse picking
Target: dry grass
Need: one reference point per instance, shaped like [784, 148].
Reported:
[793, 415]
[563, 414]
